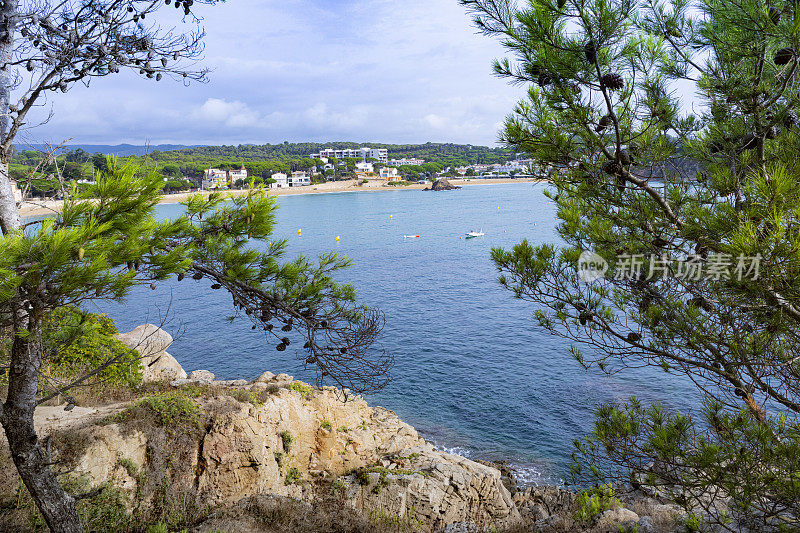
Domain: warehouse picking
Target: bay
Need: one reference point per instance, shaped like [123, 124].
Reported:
[472, 371]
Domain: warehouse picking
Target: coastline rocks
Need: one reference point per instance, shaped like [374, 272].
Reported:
[437, 489]
[613, 518]
[539, 503]
[293, 443]
[152, 342]
[201, 375]
[442, 185]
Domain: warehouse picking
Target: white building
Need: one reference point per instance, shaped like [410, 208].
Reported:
[299, 179]
[281, 181]
[367, 168]
[389, 173]
[406, 161]
[379, 154]
[214, 178]
[235, 175]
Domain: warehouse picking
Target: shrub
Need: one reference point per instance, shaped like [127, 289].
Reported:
[305, 390]
[170, 409]
[326, 425]
[287, 439]
[79, 341]
[592, 502]
[293, 476]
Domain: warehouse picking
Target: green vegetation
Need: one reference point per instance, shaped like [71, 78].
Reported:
[326, 425]
[79, 341]
[173, 409]
[293, 476]
[305, 390]
[395, 522]
[591, 503]
[715, 299]
[183, 169]
[286, 440]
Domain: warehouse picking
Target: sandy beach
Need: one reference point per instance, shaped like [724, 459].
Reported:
[49, 207]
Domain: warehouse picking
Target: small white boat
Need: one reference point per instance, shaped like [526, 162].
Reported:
[411, 236]
[475, 233]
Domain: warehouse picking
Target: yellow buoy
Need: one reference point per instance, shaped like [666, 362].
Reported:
[337, 238]
[299, 232]
[390, 216]
[498, 207]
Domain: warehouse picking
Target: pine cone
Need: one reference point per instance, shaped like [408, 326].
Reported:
[613, 81]
[611, 168]
[605, 122]
[624, 157]
[590, 51]
[783, 56]
[544, 79]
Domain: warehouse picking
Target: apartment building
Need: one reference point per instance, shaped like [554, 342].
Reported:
[379, 154]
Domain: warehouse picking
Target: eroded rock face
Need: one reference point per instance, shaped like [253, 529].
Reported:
[152, 342]
[295, 438]
[438, 489]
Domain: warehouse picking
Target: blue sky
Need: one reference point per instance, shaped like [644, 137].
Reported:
[407, 71]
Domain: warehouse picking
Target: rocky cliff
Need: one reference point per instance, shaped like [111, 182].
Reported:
[218, 446]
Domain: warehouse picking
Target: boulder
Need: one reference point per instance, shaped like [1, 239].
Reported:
[152, 342]
[442, 185]
[201, 375]
[613, 518]
[266, 377]
[283, 377]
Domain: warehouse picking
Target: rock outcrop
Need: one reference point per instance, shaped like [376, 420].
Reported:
[442, 185]
[297, 438]
[152, 342]
[241, 444]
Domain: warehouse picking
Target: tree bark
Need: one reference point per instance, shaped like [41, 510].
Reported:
[32, 461]
[9, 214]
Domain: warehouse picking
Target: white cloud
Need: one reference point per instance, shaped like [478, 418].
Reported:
[231, 114]
[316, 71]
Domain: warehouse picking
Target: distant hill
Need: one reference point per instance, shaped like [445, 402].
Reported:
[446, 153]
[121, 150]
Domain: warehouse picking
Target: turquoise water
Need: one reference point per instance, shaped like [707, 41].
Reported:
[472, 372]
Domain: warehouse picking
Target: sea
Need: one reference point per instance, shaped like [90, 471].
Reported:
[473, 372]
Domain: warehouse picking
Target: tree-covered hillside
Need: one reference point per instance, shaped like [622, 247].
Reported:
[261, 161]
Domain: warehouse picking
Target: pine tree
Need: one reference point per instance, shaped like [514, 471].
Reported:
[98, 249]
[671, 131]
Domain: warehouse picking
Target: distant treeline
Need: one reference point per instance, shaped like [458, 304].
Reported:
[183, 168]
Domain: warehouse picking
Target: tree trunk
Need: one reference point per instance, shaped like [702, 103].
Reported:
[33, 463]
[9, 215]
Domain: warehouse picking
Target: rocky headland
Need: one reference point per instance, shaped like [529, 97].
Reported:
[276, 454]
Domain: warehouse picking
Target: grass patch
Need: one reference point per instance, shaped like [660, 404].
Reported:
[326, 425]
[395, 522]
[306, 391]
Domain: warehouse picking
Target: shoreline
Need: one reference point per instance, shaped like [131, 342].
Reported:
[50, 207]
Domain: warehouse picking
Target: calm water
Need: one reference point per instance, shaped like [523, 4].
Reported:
[472, 372]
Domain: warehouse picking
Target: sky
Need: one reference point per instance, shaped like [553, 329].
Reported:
[408, 71]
